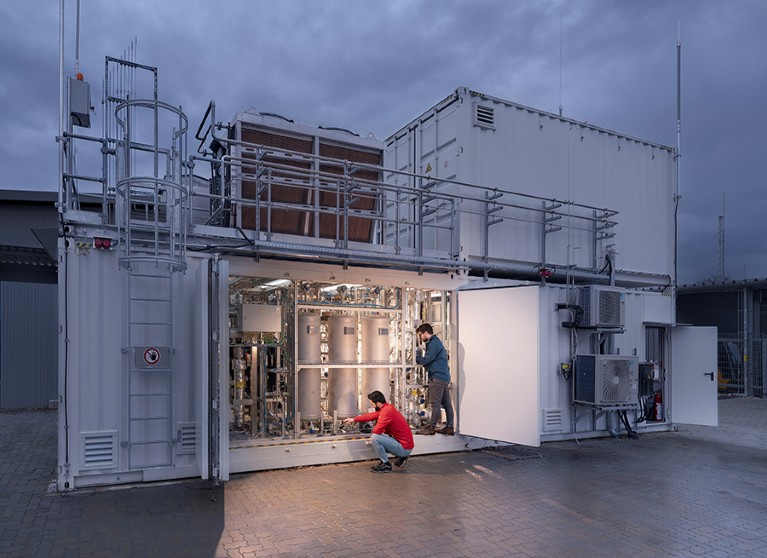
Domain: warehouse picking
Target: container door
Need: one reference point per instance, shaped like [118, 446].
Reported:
[498, 353]
[694, 376]
[212, 328]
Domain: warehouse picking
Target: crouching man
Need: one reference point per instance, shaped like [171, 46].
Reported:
[391, 434]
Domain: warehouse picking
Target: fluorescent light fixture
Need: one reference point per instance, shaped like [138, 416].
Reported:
[278, 283]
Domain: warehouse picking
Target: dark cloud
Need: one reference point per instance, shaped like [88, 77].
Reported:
[373, 66]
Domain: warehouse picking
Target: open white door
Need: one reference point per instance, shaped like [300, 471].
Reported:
[694, 376]
[498, 353]
[212, 357]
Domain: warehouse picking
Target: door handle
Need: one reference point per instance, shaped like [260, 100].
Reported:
[710, 374]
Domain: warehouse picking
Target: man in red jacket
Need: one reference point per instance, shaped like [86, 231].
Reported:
[391, 434]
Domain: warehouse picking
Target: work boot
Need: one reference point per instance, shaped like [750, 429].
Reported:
[427, 430]
[448, 431]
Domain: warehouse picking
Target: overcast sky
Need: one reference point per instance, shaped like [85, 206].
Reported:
[372, 66]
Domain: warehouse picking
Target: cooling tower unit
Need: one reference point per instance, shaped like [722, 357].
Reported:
[606, 380]
[602, 306]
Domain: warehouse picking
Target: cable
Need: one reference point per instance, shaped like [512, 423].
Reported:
[624, 418]
[65, 401]
[643, 410]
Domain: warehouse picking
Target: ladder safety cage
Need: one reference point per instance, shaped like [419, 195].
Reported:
[153, 206]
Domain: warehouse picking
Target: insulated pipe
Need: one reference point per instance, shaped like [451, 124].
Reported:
[611, 418]
[262, 246]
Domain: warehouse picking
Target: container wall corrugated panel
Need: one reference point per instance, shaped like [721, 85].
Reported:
[535, 153]
[28, 351]
[97, 367]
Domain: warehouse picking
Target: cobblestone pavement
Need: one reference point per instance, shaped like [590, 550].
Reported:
[696, 492]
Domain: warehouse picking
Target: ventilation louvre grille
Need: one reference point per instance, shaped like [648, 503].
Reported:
[610, 308]
[602, 306]
[99, 449]
[484, 116]
[187, 438]
[553, 420]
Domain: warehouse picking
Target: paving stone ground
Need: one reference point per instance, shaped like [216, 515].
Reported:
[696, 492]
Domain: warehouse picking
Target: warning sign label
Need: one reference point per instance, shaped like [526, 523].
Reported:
[151, 357]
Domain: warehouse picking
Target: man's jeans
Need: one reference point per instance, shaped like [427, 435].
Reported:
[439, 395]
[384, 443]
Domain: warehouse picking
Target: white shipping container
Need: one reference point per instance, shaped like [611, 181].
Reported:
[533, 164]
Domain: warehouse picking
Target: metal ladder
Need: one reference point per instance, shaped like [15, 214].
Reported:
[150, 364]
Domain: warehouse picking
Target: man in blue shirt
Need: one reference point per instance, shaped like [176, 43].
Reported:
[435, 362]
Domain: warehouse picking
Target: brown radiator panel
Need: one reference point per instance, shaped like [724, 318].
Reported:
[300, 221]
[278, 141]
[360, 228]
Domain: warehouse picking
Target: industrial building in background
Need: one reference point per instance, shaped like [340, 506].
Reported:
[227, 304]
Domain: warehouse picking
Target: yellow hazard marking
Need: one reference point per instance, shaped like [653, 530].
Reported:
[428, 167]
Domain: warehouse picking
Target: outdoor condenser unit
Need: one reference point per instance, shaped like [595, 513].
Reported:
[606, 380]
[602, 306]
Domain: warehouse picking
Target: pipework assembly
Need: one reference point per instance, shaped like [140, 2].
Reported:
[305, 354]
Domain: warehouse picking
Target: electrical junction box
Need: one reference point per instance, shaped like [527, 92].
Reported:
[80, 102]
[259, 317]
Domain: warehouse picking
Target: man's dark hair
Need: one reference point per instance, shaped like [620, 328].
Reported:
[425, 328]
[377, 397]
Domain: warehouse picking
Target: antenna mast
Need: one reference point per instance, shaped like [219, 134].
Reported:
[678, 195]
[560, 63]
[721, 243]
[679, 107]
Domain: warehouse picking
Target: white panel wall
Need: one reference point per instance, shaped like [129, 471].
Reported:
[91, 379]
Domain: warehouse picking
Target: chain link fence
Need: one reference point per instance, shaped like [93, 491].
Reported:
[741, 364]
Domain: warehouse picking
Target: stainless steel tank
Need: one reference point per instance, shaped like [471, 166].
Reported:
[342, 349]
[375, 349]
[309, 379]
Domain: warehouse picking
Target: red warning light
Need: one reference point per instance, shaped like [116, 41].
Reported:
[102, 243]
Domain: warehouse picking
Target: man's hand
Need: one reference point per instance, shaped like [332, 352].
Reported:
[348, 420]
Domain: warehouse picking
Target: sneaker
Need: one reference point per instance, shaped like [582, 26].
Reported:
[381, 468]
[427, 430]
[448, 431]
[400, 461]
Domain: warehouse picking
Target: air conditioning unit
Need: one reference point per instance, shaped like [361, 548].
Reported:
[602, 306]
[606, 380]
